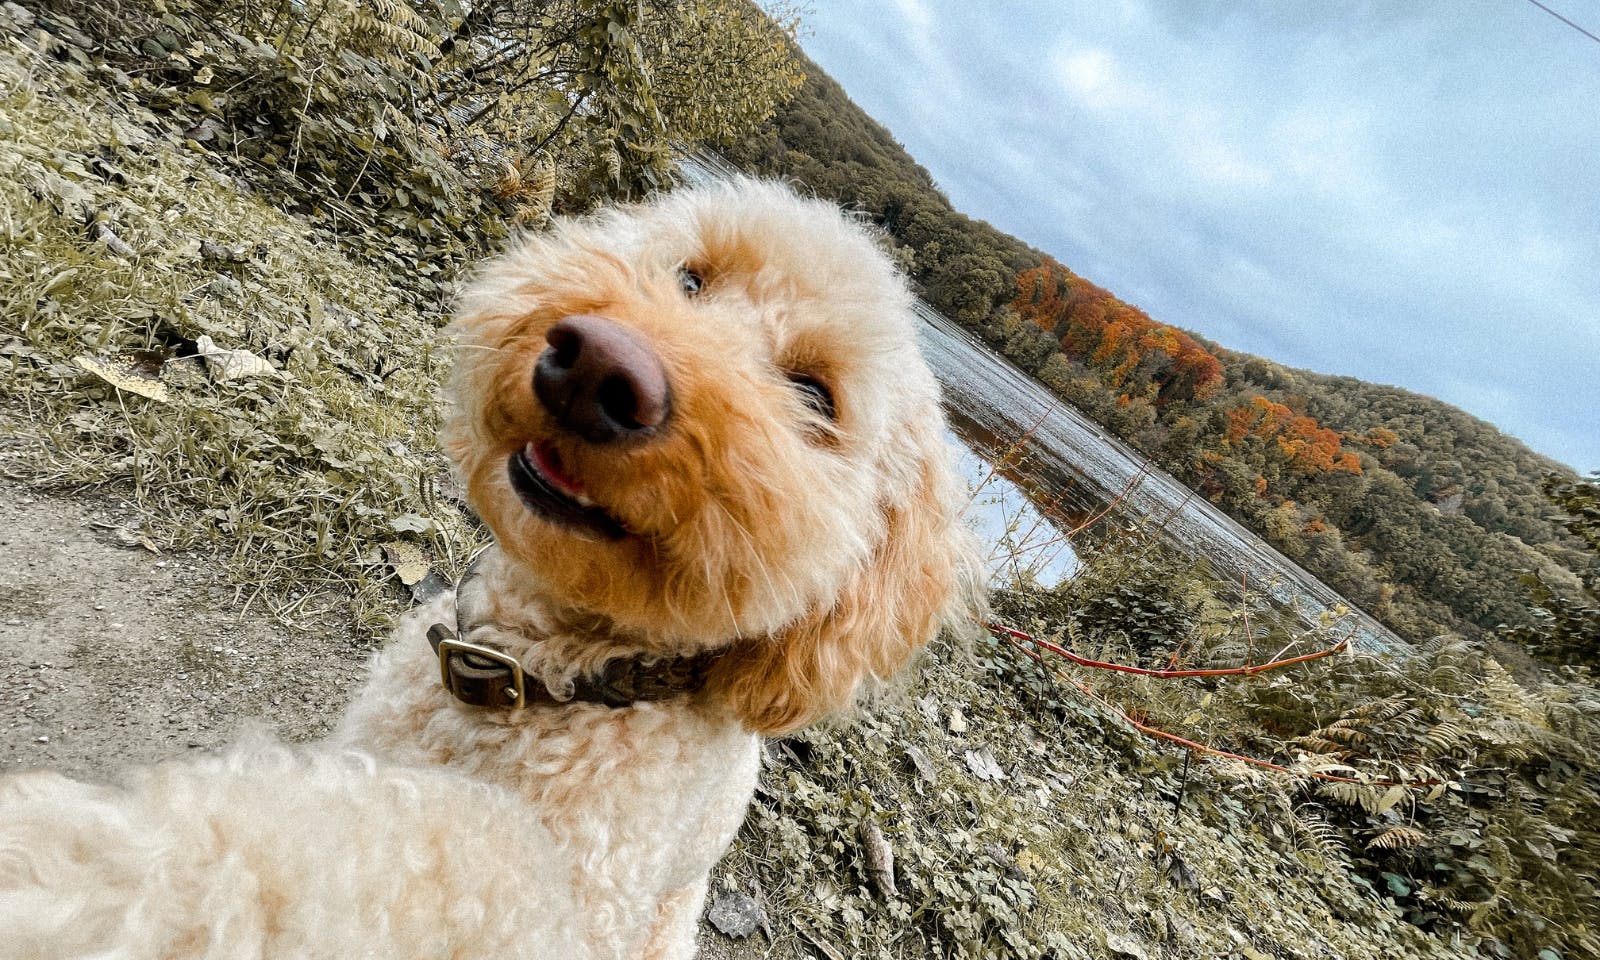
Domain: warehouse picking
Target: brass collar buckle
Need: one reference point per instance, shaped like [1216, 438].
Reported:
[479, 675]
[483, 676]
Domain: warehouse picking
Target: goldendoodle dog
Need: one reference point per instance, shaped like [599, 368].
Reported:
[713, 462]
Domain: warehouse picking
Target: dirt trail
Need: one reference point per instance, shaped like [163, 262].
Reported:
[111, 654]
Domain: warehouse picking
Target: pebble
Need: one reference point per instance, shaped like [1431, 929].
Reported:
[736, 914]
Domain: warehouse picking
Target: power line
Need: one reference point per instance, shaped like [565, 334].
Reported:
[1565, 20]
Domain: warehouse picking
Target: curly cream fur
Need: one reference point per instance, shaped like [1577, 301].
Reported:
[817, 554]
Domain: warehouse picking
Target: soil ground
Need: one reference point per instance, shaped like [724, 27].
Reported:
[111, 654]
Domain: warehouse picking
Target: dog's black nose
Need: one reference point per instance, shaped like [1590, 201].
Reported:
[601, 381]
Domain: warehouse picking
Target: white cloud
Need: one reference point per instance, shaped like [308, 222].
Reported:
[1396, 193]
[1089, 76]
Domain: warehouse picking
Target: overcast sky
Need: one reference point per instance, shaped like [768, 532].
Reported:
[1406, 191]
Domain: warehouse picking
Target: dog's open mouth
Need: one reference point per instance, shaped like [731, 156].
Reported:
[537, 477]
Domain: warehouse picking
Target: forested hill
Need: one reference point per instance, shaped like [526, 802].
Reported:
[1412, 508]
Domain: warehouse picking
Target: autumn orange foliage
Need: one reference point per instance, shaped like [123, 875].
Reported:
[1310, 448]
[1380, 438]
[1121, 342]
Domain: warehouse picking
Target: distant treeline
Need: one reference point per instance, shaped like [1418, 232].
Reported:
[1413, 509]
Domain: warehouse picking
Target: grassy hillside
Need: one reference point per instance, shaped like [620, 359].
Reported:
[1419, 512]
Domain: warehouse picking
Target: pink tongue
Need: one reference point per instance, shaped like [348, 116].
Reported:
[549, 464]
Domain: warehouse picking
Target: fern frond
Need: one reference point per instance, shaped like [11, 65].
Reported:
[1349, 794]
[1312, 834]
[1372, 799]
[1445, 737]
[1316, 744]
[1397, 838]
[1382, 710]
[1350, 730]
[1461, 908]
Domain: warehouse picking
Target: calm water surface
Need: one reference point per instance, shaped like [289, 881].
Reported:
[1077, 469]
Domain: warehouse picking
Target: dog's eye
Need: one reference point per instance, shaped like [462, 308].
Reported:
[689, 281]
[815, 393]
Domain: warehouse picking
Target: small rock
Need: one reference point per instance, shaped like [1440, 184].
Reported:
[204, 132]
[222, 254]
[1179, 930]
[736, 914]
[1003, 860]
[41, 739]
[1121, 946]
[20, 16]
[224, 364]
[430, 588]
[101, 230]
[880, 860]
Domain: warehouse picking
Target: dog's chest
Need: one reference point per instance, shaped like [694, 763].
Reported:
[654, 791]
[645, 799]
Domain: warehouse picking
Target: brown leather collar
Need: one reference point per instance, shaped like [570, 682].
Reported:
[484, 676]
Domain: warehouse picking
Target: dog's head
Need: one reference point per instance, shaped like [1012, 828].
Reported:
[705, 420]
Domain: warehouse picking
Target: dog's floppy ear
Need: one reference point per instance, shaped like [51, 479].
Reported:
[921, 575]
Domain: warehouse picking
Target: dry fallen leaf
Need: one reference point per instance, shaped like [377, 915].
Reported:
[409, 562]
[958, 723]
[230, 364]
[922, 763]
[983, 766]
[125, 372]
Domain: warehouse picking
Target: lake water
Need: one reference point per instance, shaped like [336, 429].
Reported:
[1057, 459]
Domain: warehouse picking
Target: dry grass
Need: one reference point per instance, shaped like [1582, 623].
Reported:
[1078, 852]
[296, 477]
